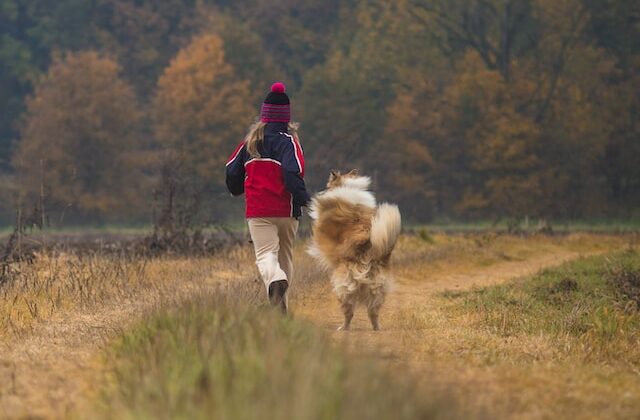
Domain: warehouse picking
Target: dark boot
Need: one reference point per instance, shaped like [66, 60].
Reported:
[277, 291]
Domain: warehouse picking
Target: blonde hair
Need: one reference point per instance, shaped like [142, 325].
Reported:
[256, 135]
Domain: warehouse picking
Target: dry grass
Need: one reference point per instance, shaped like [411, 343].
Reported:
[439, 252]
[215, 358]
[432, 324]
[571, 314]
[54, 286]
[61, 310]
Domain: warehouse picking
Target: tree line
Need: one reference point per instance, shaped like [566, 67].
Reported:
[457, 109]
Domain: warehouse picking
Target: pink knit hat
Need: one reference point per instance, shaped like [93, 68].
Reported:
[276, 106]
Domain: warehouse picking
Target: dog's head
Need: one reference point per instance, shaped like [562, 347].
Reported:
[349, 180]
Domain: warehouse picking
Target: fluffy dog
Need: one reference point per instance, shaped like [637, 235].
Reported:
[354, 238]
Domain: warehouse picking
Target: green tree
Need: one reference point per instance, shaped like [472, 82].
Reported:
[297, 33]
[344, 100]
[144, 35]
[498, 31]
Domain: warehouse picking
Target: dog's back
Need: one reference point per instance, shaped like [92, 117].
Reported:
[341, 231]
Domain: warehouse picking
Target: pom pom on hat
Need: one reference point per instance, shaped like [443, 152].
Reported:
[278, 87]
[276, 107]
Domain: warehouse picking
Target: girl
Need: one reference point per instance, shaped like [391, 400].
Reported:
[268, 167]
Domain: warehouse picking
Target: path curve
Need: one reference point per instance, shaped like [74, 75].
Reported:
[325, 312]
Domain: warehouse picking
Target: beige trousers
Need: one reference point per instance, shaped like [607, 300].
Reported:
[273, 243]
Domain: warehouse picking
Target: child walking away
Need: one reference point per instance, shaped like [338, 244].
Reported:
[268, 167]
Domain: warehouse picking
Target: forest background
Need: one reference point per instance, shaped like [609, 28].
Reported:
[124, 111]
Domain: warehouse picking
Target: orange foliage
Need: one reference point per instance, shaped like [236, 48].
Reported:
[80, 141]
[201, 109]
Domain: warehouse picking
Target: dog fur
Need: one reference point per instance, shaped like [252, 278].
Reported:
[353, 237]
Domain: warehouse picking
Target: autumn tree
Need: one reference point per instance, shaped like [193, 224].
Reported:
[501, 142]
[80, 146]
[201, 107]
[245, 51]
[30, 30]
[427, 159]
[343, 102]
[410, 169]
[526, 108]
[201, 111]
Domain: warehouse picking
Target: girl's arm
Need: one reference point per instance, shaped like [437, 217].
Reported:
[293, 171]
[235, 171]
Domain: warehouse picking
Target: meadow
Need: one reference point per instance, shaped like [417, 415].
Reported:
[506, 131]
[479, 325]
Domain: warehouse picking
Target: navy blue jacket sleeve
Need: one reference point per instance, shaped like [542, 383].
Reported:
[235, 171]
[292, 174]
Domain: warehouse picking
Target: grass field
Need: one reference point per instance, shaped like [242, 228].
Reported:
[565, 340]
[221, 359]
[564, 226]
[478, 326]
[592, 225]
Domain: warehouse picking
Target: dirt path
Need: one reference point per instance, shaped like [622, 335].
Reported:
[417, 336]
[409, 293]
[48, 373]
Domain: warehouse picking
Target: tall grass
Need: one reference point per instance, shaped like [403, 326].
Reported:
[37, 291]
[56, 285]
[221, 360]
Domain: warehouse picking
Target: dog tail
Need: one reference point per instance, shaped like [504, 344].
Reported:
[385, 229]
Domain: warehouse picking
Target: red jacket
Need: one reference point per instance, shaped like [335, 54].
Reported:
[273, 184]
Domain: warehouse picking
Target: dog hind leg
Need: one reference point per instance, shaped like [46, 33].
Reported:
[374, 303]
[373, 312]
[348, 307]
